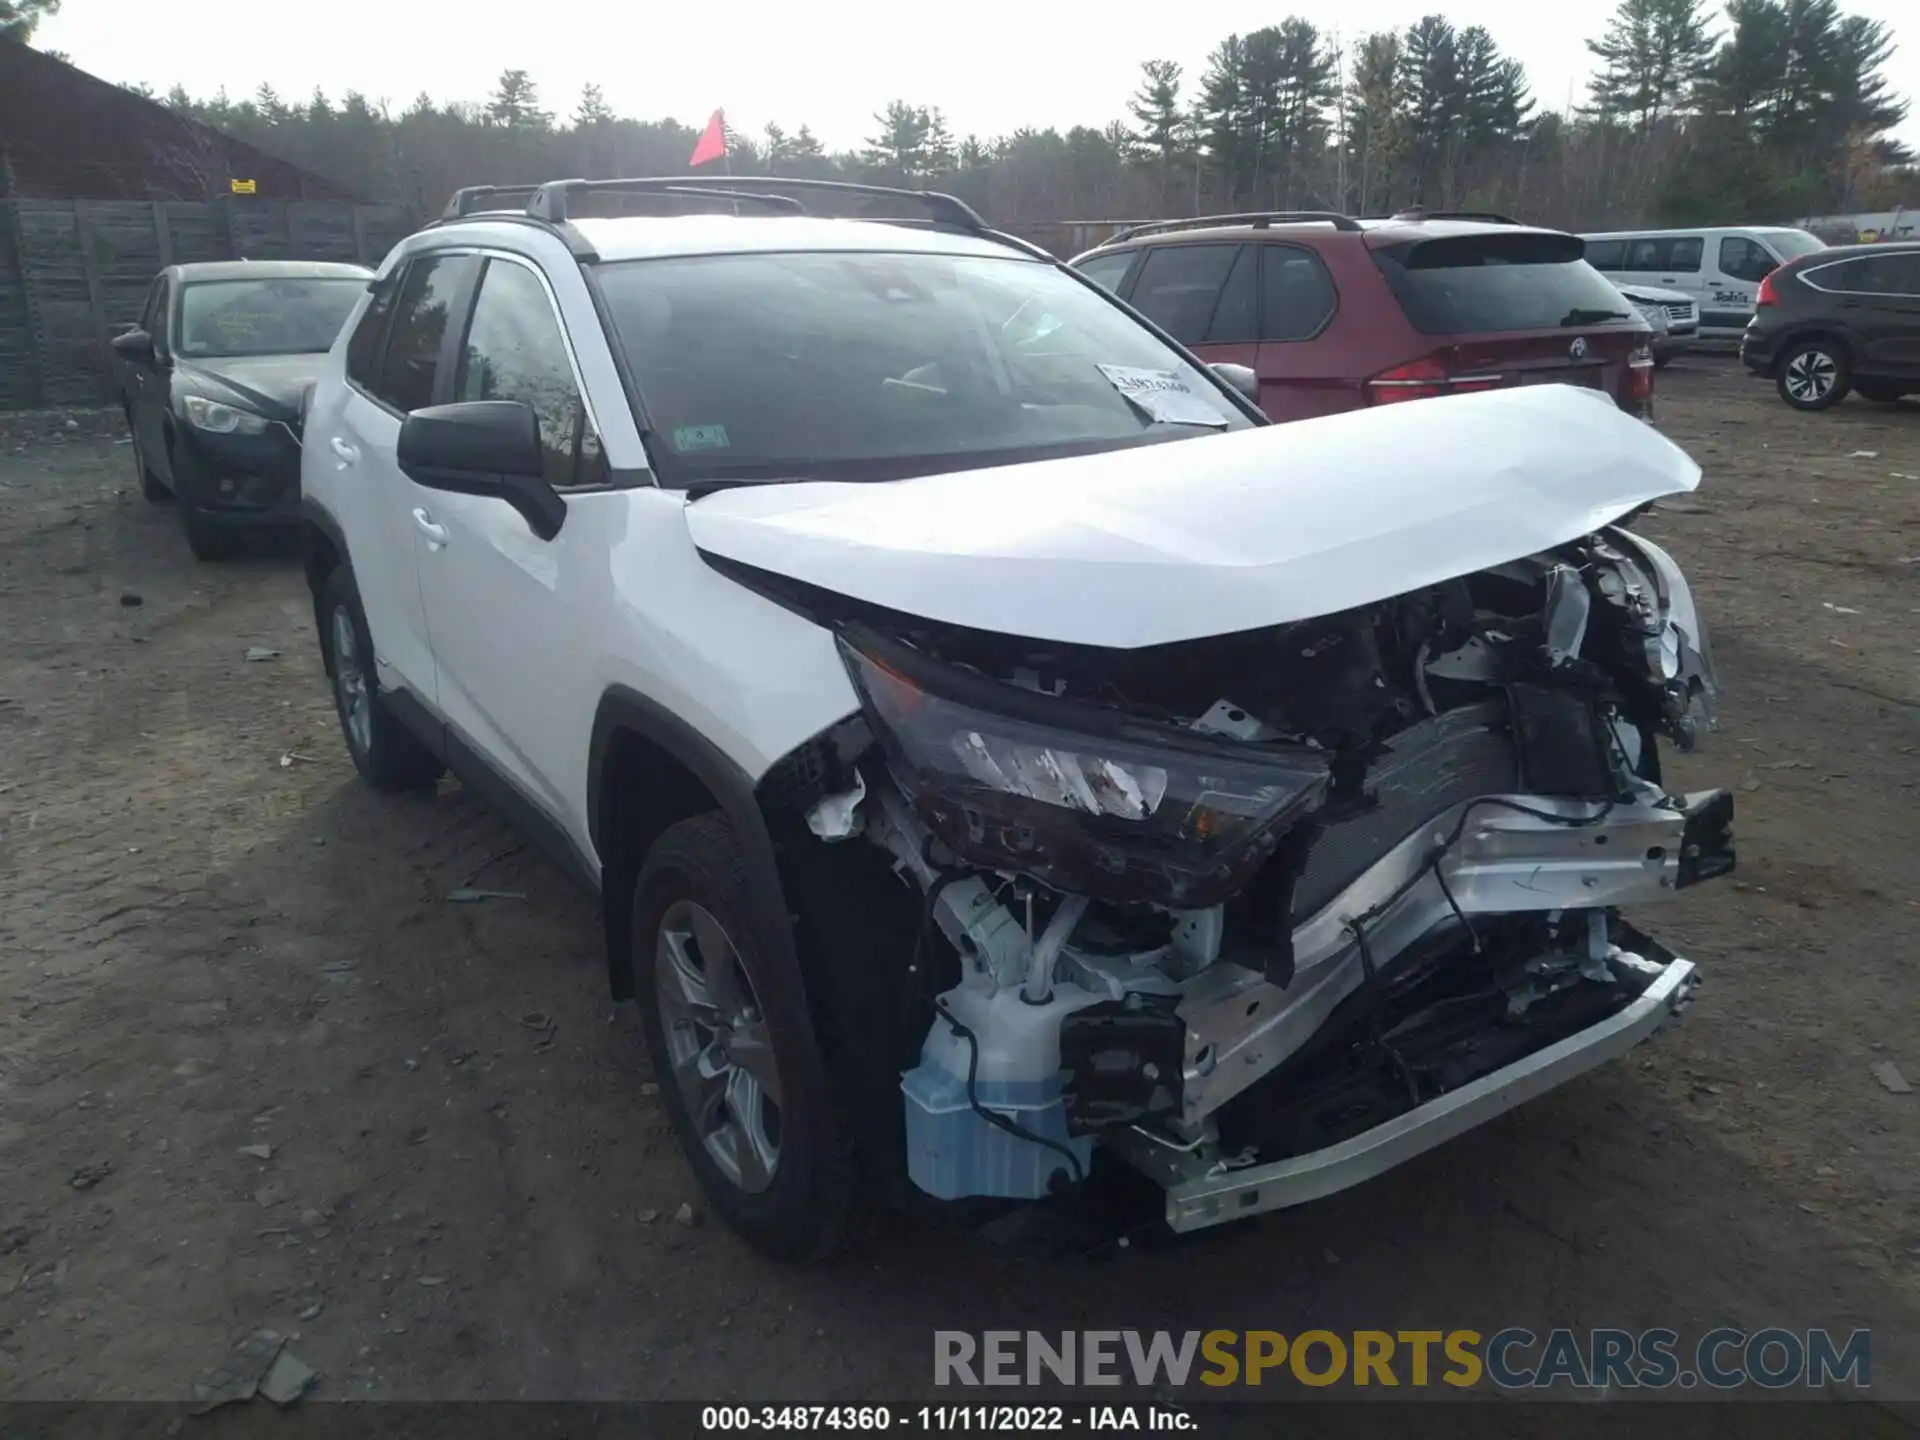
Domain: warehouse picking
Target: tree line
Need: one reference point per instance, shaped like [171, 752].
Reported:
[1770, 110]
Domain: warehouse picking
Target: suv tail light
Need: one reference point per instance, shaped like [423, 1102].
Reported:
[1640, 374]
[1421, 379]
[1769, 293]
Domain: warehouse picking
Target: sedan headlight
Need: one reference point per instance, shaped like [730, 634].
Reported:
[219, 418]
[1082, 798]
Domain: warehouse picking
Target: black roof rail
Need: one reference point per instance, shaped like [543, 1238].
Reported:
[552, 201]
[471, 199]
[1259, 220]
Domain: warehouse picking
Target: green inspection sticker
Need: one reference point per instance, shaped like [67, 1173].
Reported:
[700, 437]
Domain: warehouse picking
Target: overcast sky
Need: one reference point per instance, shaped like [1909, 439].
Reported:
[991, 65]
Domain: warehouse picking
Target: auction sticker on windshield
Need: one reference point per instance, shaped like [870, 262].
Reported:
[1164, 395]
[700, 437]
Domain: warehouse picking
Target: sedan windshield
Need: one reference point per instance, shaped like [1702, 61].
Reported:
[876, 366]
[264, 317]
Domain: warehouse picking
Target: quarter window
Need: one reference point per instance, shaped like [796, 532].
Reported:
[410, 367]
[1296, 293]
[515, 350]
[1180, 285]
[1107, 271]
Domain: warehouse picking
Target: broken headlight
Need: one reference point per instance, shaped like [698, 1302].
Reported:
[1679, 659]
[1085, 799]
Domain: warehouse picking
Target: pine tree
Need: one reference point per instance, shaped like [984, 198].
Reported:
[900, 149]
[1155, 107]
[593, 110]
[1652, 56]
[515, 103]
[1375, 100]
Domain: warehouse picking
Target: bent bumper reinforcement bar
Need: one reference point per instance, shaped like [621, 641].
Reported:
[1200, 1193]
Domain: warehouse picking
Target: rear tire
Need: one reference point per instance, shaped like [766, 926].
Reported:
[752, 1107]
[1815, 375]
[387, 754]
[1877, 391]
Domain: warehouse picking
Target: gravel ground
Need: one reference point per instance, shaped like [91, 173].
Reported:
[212, 937]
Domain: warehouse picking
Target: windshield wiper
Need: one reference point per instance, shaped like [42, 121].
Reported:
[1577, 316]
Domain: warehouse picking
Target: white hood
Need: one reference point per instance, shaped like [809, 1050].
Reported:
[1206, 536]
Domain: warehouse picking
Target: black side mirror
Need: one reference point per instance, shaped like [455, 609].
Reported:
[484, 447]
[1241, 378]
[136, 345]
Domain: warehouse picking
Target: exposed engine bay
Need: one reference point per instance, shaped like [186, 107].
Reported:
[1267, 913]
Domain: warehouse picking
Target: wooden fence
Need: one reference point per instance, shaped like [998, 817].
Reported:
[75, 273]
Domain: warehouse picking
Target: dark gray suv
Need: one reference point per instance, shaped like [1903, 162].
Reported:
[1836, 320]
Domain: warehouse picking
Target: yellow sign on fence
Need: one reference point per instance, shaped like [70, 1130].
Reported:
[243, 187]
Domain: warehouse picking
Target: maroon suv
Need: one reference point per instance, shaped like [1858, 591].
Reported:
[1334, 313]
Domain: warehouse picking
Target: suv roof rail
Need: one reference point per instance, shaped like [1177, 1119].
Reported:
[1258, 219]
[472, 199]
[553, 201]
[548, 204]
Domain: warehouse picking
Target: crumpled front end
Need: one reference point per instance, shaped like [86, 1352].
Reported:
[1268, 913]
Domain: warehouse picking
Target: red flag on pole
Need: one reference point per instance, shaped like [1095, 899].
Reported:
[713, 140]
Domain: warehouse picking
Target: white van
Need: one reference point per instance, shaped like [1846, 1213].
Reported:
[1720, 267]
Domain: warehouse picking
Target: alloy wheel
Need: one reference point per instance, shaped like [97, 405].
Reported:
[1811, 376]
[718, 1045]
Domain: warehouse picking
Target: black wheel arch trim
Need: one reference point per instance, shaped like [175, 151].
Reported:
[1792, 339]
[313, 513]
[624, 709]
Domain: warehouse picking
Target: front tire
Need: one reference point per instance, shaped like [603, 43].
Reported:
[753, 1109]
[387, 754]
[1815, 375]
[151, 490]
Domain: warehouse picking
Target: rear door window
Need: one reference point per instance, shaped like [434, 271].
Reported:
[1869, 275]
[1107, 271]
[1297, 296]
[410, 368]
[1179, 288]
[1478, 284]
[1662, 252]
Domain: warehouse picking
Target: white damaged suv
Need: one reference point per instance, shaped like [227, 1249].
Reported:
[1003, 758]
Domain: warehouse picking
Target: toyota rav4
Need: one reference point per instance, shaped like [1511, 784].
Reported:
[1004, 760]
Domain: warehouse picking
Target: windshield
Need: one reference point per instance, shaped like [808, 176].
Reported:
[1477, 284]
[264, 317]
[1791, 244]
[873, 366]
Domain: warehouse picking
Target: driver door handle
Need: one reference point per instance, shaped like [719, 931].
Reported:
[347, 453]
[436, 534]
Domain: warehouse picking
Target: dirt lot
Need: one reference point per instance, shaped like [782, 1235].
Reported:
[212, 937]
